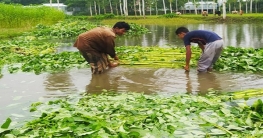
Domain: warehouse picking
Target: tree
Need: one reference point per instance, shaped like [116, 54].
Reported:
[115, 4]
[125, 7]
[111, 11]
[251, 1]
[195, 5]
[140, 8]
[171, 9]
[143, 8]
[240, 5]
[121, 12]
[149, 4]
[202, 6]
[246, 6]
[224, 9]
[90, 7]
[95, 8]
[176, 6]
[156, 7]
[134, 7]
[164, 8]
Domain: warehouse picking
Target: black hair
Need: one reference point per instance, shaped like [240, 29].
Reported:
[181, 30]
[121, 25]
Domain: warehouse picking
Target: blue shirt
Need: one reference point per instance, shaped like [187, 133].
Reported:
[200, 37]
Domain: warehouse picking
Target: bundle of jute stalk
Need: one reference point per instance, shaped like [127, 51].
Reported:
[155, 57]
[246, 94]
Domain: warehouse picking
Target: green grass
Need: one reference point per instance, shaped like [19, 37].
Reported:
[16, 19]
[187, 19]
[155, 21]
[13, 32]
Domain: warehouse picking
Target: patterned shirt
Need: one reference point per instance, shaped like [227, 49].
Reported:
[96, 41]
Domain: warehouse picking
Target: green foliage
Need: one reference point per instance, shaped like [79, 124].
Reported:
[169, 15]
[15, 16]
[109, 16]
[241, 59]
[258, 106]
[103, 16]
[65, 29]
[136, 30]
[31, 52]
[179, 20]
[138, 115]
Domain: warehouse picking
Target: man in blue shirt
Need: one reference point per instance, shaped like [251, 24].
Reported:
[210, 43]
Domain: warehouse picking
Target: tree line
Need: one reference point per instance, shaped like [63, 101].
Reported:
[142, 7]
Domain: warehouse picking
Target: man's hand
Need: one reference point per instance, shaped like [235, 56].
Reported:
[186, 68]
[187, 57]
[116, 58]
[113, 64]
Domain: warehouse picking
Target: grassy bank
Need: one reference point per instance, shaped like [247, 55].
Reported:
[186, 19]
[52, 15]
[16, 19]
[12, 32]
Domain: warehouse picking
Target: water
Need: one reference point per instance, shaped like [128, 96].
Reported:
[237, 35]
[19, 90]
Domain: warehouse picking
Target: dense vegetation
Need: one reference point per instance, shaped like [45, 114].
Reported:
[129, 114]
[134, 115]
[15, 19]
[31, 53]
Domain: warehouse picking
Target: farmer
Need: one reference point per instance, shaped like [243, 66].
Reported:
[96, 44]
[210, 43]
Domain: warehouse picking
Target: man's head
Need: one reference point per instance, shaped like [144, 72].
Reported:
[181, 31]
[120, 28]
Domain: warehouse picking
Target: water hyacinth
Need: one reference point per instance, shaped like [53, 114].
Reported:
[138, 115]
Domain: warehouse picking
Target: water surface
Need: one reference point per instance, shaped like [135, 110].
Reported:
[237, 35]
[19, 90]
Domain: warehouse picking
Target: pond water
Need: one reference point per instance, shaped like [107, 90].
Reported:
[237, 35]
[19, 90]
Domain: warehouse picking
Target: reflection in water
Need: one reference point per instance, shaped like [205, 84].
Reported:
[100, 82]
[19, 90]
[237, 35]
[206, 82]
[58, 81]
[121, 80]
[169, 81]
[161, 81]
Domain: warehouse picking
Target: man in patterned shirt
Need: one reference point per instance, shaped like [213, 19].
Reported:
[96, 44]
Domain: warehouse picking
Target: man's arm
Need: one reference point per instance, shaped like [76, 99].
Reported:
[110, 49]
[187, 57]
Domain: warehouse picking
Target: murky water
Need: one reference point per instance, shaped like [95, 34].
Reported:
[19, 90]
[237, 35]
